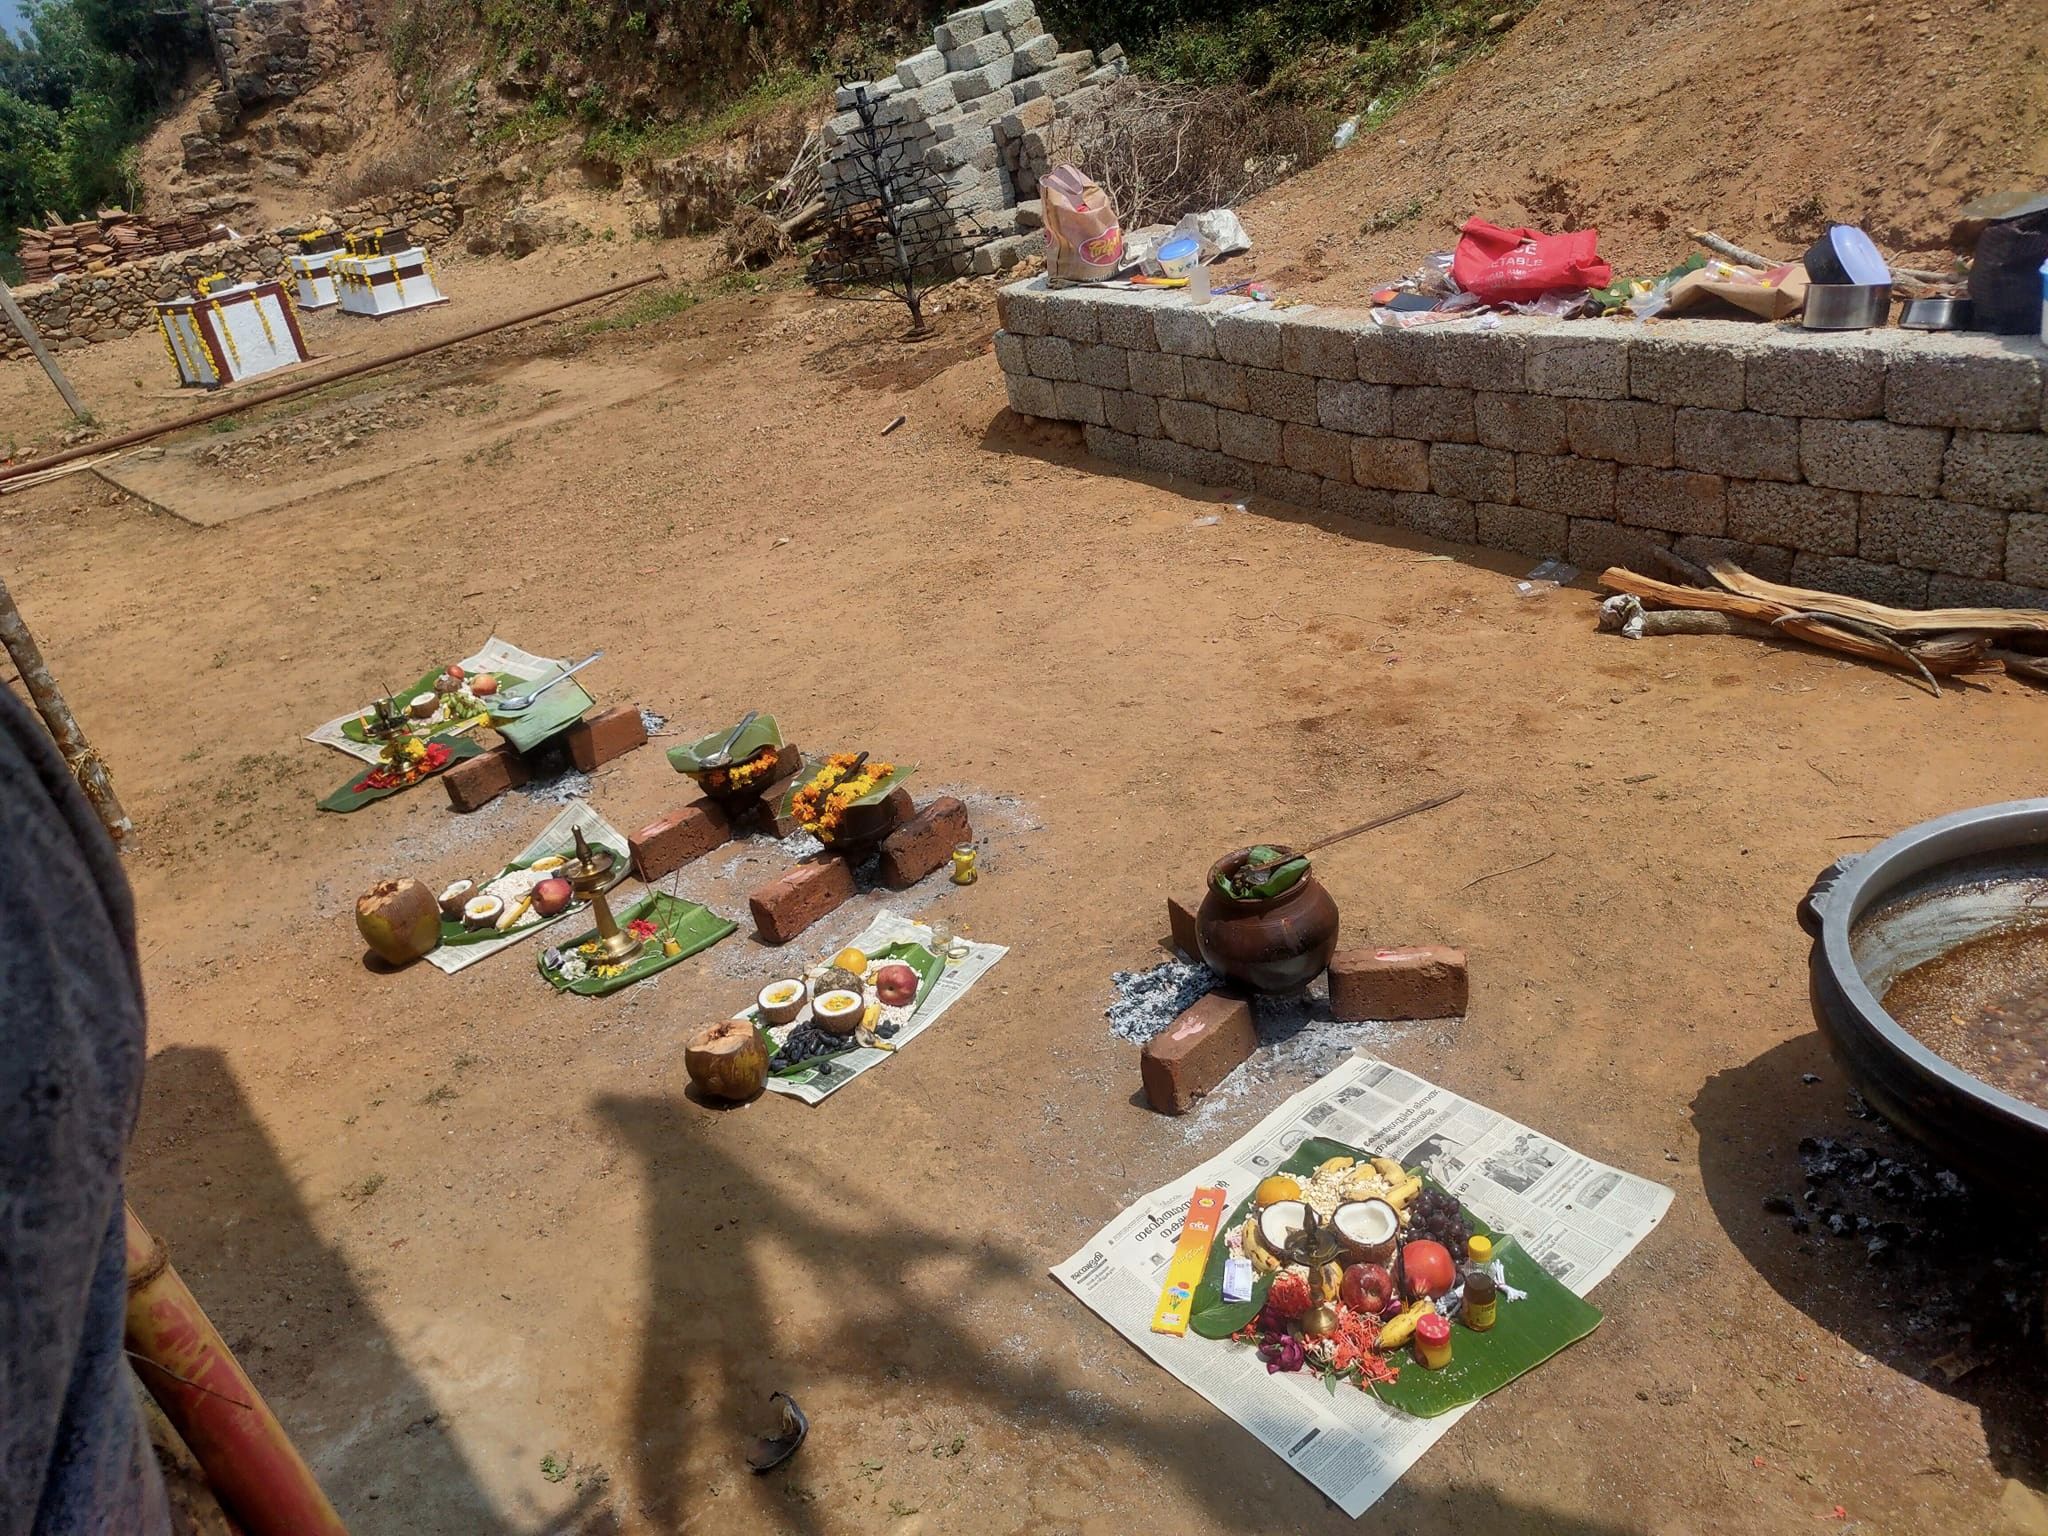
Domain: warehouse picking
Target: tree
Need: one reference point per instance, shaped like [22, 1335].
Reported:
[31, 165]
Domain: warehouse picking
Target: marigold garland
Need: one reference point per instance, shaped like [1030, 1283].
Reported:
[820, 807]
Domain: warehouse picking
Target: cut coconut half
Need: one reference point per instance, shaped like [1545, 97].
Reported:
[456, 897]
[838, 1013]
[1278, 1224]
[1366, 1230]
[482, 911]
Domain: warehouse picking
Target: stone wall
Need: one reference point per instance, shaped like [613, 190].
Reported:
[984, 106]
[1906, 467]
[79, 309]
[273, 50]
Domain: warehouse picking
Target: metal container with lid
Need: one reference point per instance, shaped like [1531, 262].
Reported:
[1847, 306]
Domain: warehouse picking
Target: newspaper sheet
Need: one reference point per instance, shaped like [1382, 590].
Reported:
[1578, 1218]
[560, 835]
[952, 985]
[496, 656]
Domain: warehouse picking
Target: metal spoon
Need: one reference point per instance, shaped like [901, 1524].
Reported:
[723, 755]
[520, 702]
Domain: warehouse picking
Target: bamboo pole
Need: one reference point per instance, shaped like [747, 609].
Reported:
[248, 1458]
[84, 763]
[25, 327]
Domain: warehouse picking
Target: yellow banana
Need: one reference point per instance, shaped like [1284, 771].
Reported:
[1402, 1328]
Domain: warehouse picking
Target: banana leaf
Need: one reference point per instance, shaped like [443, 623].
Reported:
[453, 931]
[558, 709]
[762, 733]
[354, 795]
[353, 729]
[929, 968]
[1269, 885]
[1547, 1319]
[874, 796]
[695, 927]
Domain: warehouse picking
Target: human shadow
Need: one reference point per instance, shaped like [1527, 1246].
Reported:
[204, 1176]
[1877, 1243]
[703, 1265]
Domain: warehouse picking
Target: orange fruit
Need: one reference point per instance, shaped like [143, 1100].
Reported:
[1273, 1188]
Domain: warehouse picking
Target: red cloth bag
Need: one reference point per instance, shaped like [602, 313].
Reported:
[1501, 264]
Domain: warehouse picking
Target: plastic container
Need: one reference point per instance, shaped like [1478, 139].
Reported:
[1198, 284]
[1179, 256]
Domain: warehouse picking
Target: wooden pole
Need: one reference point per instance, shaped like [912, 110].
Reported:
[27, 331]
[85, 763]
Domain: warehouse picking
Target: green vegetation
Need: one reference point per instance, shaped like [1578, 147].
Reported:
[662, 303]
[75, 97]
[625, 143]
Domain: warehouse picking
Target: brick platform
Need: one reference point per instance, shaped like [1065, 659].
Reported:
[1902, 466]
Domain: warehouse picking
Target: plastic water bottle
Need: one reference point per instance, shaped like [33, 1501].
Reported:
[1346, 132]
[1198, 284]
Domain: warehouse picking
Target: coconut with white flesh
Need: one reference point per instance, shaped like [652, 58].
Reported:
[456, 897]
[1278, 1224]
[482, 911]
[1367, 1228]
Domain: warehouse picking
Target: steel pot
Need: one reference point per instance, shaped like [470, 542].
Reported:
[1847, 306]
[1911, 898]
[1278, 944]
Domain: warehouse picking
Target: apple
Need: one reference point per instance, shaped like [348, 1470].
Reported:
[1427, 1268]
[896, 984]
[483, 685]
[552, 896]
[1367, 1288]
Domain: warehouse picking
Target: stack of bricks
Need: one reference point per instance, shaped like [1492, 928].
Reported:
[982, 105]
[1907, 467]
[921, 841]
[592, 742]
[667, 844]
[114, 238]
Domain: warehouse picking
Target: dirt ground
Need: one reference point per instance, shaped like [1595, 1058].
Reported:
[455, 1226]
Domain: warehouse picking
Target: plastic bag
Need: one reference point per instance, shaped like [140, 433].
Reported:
[1499, 264]
[1084, 243]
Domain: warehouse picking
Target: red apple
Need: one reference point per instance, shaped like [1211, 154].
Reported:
[896, 985]
[1427, 1269]
[1367, 1288]
[483, 685]
[551, 896]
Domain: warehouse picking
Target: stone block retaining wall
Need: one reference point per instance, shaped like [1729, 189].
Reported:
[1906, 467]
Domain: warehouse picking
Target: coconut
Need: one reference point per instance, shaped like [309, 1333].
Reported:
[455, 897]
[424, 705]
[837, 1012]
[1366, 1231]
[482, 911]
[837, 979]
[399, 920]
[727, 1061]
[1279, 1222]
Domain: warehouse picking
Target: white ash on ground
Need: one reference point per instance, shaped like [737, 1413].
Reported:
[1147, 1001]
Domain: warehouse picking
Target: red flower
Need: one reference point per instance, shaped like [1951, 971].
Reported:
[1289, 1295]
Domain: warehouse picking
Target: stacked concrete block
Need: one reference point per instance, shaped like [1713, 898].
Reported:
[1906, 467]
[990, 107]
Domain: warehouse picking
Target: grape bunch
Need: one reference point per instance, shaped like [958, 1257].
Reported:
[1436, 1216]
[805, 1043]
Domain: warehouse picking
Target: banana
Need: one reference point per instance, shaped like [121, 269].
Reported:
[1389, 1170]
[1402, 1328]
[1262, 1261]
[1335, 1164]
[1399, 1196]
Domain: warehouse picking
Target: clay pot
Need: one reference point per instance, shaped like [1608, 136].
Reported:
[1279, 944]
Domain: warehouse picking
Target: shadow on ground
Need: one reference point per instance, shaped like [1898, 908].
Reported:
[1883, 1249]
[206, 1178]
[723, 1377]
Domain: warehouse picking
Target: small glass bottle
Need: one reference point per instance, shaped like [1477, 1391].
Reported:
[1482, 1292]
[1433, 1342]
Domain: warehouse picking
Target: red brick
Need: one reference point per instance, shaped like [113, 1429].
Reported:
[670, 843]
[768, 816]
[1197, 1051]
[785, 908]
[475, 782]
[1426, 981]
[924, 843]
[900, 806]
[1180, 923]
[605, 735]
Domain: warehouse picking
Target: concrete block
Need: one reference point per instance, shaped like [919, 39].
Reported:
[1594, 544]
[1010, 353]
[1434, 414]
[1325, 351]
[2026, 549]
[1314, 451]
[1996, 469]
[1626, 431]
[1030, 396]
[970, 84]
[1362, 503]
[1365, 410]
[1133, 413]
[1588, 363]
[1128, 326]
[1079, 402]
[1218, 383]
[1003, 15]
[1390, 463]
[1157, 373]
[1255, 439]
[1861, 578]
[965, 152]
[1983, 388]
[1803, 373]
[921, 69]
[1025, 310]
[1676, 500]
[1564, 483]
[1250, 338]
[1808, 517]
[1073, 318]
[1114, 447]
[1104, 367]
[1196, 1052]
[1770, 561]
[1437, 516]
[1388, 356]
[1522, 423]
[1522, 529]
[1283, 396]
[1051, 357]
[975, 52]
[1457, 358]
[1188, 422]
[1875, 456]
[1423, 982]
[1961, 592]
[961, 27]
[1749, 445]
[1185, 332]
[1471, 473]
[1677, 372]
[1931, 535]
[1276, 482]
[1036, 53]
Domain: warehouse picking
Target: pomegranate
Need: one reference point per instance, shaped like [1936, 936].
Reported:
[1426, 1268]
